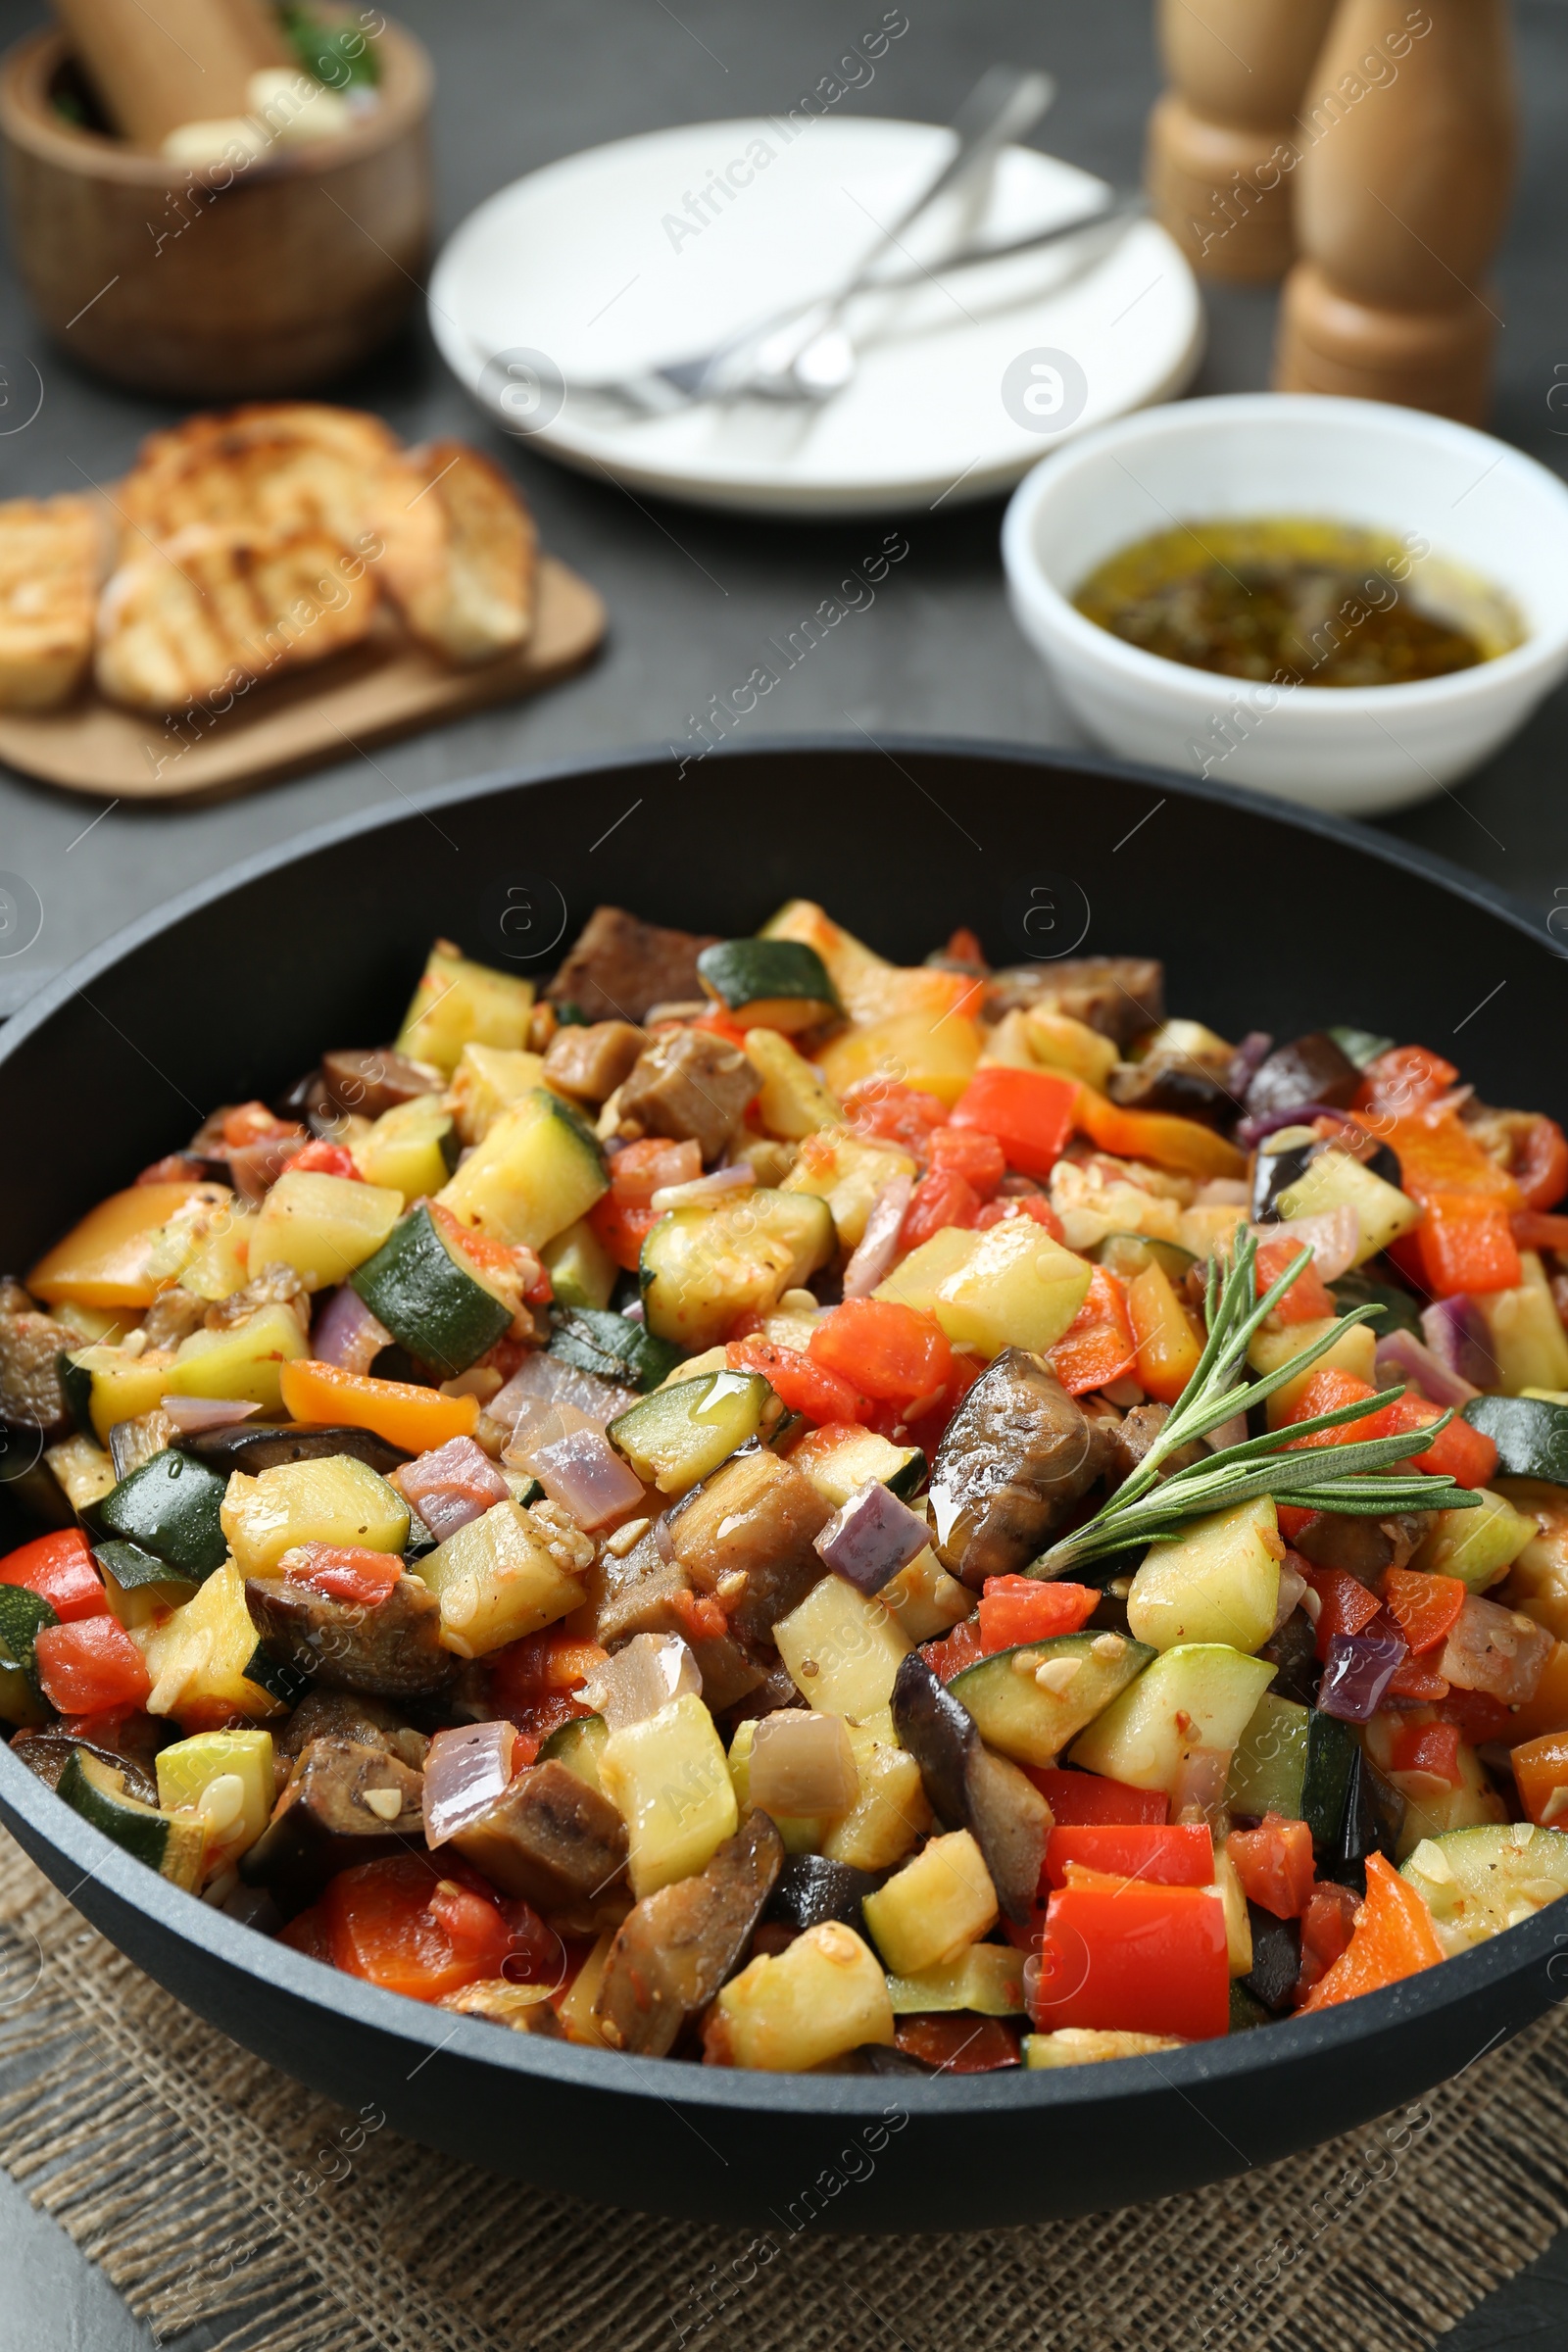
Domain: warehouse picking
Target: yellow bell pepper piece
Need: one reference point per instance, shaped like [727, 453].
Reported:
[415, 1418]
[107, 1259]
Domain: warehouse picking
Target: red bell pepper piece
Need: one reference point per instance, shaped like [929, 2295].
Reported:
[1432, 1747]
[343, 1571]
[1177, 1855]
[800, 1385]
[1294, 1519]
[1393, 1937]
[1476, 1715]
[1134, 1958]
[1426, 1609]
[1076, 1797]
[622, 1229]
[386, 1922]
[958, 2043]
[1402, 1080]
[90, 1664]
[1307, 1300]
[1461, 1453]
[321, 1159]
[1030, 1113]
[941, 1198]
[1016, 1609]
[717, 1023]
[1274, 1863]
[1347, 1606]
[1417, 1678]
[1467, 1244]
[969, 1153]
[884, 1112]
[1033, 1205]
[1326, 1927]
[61, 1569]
[885, 1350]
[1533, 1230]
[542, 1666]
[1097, 1345]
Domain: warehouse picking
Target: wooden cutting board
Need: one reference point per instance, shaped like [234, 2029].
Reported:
[385, 687]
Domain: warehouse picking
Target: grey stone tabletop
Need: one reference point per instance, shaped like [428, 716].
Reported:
[692, 593]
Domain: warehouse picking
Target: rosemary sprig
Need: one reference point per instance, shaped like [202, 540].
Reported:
[1330, 1478]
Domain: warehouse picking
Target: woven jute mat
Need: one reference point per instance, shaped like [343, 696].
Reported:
[209, 2187]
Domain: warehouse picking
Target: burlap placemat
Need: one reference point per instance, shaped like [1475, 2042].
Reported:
[209, 2187]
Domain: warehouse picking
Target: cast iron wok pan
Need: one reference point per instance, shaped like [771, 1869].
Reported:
[1265, 916]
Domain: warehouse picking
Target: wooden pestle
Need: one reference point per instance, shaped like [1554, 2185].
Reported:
[1401, 194]
[171, 62]
[1221, 139]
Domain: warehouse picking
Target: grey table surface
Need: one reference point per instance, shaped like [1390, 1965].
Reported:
[692, 594]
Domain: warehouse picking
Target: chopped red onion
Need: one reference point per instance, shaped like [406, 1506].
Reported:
[192, 1414]
[1246, 1063]
[1250, 1133]
[541, 1425]
[254, 1168]
[465, 1771]
[1403, 1354]
[547, 1380]
[643, 1677]
[586, 1476]
[1500, 1652]
[1292, 1586]
[1458, 1334]
[1332, 1235]
[1198, 1782]
[724, 1181]
[346, 1333]
[803, 1765]
[874, 1253]
[1358, 1670]
[450, 1486]
[871, 1538]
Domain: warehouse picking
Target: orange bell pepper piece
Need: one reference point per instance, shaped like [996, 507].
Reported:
[417, 1419]
[104, 1261]
[1157, 1136]
[1547, 1709]
[1541, 1774]
[1308, 1300]
[1167, 1338]
[1393, 1937]
[1097, 1344]
[1467, 1243]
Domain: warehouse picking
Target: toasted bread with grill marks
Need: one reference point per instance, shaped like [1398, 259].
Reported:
[276, 466]
[460, 551]
[53, 555]
[215, 610]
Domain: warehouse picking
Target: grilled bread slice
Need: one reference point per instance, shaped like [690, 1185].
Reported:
[275, 466]
[460, 551]
[53, 555]
[215, 610]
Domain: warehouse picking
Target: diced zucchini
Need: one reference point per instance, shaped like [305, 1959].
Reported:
[1355, 1351]
[322, 1226]
[1332, 1179]
[1127, 1255]
[774, 983]
[868, 986]
[838, 1167]
[1269, 1765]
[537, 1171]
[792, 1099]
[82, 1470]
[1332, 1767]
[924, 1599]
[936, 1051]
[1401, 1313]
[496, 1580]
[138, 1586]
[987, 1980]
[934, 1907]
[1528, 1339]
[616, 1349]
[171, 1507]
[680, 1435]
[1201, 1695]
[915, 1280]
[457, 1002]
[842, 1649]
[1092, 2046]
[1478, 1546]
[1530, 1433]
[1030, 1702]
[198, 1658]
[839, 1460]
[704, 1267]
[236, 1815]
[221, 1264]
[334, 1499]
[582, 1273]
[487, 1081]
[1217, 1580]
[407, 1148]
[577, 1745]
[97, 1791]
[815, 2001]
[577, 2011]
[890, 1812]
[1478, 1881]
[122, 1387]
[23, 1617]
[244, 1362]
[1011, 1286]
[801, 1832]
[439, 1310]
[669, 1777]
[1238, 1925]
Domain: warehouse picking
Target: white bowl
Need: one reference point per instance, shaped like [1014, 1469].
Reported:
[1480, 505]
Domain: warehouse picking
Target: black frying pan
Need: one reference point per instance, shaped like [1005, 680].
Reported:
[1266, 917]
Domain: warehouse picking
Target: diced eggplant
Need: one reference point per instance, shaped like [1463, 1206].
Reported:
[253, 1451]
[1372, 1819]
[811, 1889]
[389, 1649]
[590, 1063]
[364, 1081]
[327, 1714]
[132, 1443]
[1293, 1653]
[756, 1517]
[47, 1753]
[1132, 1437]
[558, 1843]
[1017, 1454]
[621, 966]
[173, 1316]
[1365, 1549]
[1170, 1080]
[31, 1393]
[969, 1787]
[690, 1083]
[1120, 996]
[679, 1945]
[1276, 1958]
[1315, 1069]
[325, 1819]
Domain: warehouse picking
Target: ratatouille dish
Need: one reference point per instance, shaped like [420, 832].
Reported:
[772, 1508]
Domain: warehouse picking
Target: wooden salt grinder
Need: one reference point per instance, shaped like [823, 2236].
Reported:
[1219, 143]
[1409, 142]
[190, 62]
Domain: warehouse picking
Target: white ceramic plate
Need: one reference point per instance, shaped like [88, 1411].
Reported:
[599, 267]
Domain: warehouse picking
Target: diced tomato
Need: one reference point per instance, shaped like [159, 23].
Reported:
[622, 1230]
[1540, 1774]
[928, 1428]
[321, 1159]
[1097, 1345]
[343, 1571]
[1135, 1958]
[940, 1199]
[800, 1385]
[1307, 1300]
[90, 1664]
[1426, 1609]
[1177, 1855]
[472, 1924]
[1467, 1244]
[641, 1169]
[717, 1023]
[1432, 1747]
[61, 1569]
[969, 1153]
[1458, 1452]
[1327, 1390]
[1393, 1937]
[964, 1647]
[887, 1112]
[1170, 1344]
[1466, 1455]
[1403, 1079]
[1476, 1715]
[964, 947]
[545, 1665]
[1033, 1205]
[1347, 1604]
[1326, 1927]
[1015, 1609]
[703, 1617]
[387, 1921]
[1030, 1113]
[958, 2044]
[1076, 1797]
[1274, 1863]
[306, 1932]
[1417, 1678]
[1533, 1230]
[884, 1349]
[253, 1123]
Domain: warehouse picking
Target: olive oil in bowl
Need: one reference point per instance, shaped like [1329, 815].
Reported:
[1298, 602]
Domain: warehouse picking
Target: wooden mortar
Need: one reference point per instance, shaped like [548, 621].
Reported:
[228, 282]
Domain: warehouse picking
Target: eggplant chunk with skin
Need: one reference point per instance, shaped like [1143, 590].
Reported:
[1131, 1438]
[346, 1804]
[254, 1450]
[327, 1714]
[969, 1787]
[811, 1889]
[692, 1085]
[389, 1649]
[31, 1396]
[756, 1517]
[646, 1594]
[556, 1843]
[1120, 996]
[1315, 1069]
[47, 1753]
[679, 1945]
[1017, 1454]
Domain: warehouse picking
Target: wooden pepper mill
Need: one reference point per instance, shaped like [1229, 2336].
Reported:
[1402, 193]
[190, 61]
[1221, 142]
